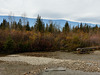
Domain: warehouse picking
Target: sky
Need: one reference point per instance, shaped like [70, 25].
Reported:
[74, 10]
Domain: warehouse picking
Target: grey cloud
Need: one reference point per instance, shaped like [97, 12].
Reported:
[89, 19]
[79, 10]
[50, 14]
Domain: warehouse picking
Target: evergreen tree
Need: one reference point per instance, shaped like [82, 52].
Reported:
[16, 25]
[51, 28]
[20, 24]
[96, 26]
[27, 27]
[87, 28]
[0, 26]
[39, 25]
[4, 24]
[81, 26]
[73, 29]
[66, 28]
[13, 26]
[32, 28]
[8, 26]
[95, 29]
[47, 28]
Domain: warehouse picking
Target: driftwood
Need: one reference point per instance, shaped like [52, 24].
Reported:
[86, 50]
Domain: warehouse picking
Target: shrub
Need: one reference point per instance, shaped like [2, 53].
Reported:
[43, 43]
[73, 43]
[9, 45]
[23, 47]
[1, 46]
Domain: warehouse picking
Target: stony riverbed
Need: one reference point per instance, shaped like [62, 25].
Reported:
[31, 64]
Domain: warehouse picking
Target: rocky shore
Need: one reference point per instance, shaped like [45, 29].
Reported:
[70, 64]
[42, 63]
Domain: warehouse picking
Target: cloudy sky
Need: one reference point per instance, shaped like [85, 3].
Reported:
[75, 10]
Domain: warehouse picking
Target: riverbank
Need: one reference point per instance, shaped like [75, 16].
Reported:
[35, 63]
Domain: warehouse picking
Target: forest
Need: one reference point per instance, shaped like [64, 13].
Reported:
[20, 37]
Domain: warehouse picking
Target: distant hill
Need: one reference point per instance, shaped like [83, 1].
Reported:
[59, 22]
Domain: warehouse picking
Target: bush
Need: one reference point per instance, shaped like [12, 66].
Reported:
[1, 46]
[73, 43]
[23, 47]
[9, 45]
[43, 43]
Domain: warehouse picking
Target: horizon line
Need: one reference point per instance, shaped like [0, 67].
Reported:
[53, 19]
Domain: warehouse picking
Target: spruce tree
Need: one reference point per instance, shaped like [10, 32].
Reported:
[39, 25]
[27, 27]
[47, 28]
[51, 28]
[66, 28]
[20, 24]
[4, 24]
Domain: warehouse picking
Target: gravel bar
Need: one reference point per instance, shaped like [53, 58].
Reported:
[43, 63]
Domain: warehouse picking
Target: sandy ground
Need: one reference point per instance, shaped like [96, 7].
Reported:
[29, 59]
[14, 68]
[67, 72]
[35, 63]
[95, 56]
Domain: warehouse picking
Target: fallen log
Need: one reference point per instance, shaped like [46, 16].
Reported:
[86, 50]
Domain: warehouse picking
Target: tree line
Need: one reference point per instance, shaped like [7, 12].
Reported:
[16, 37]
